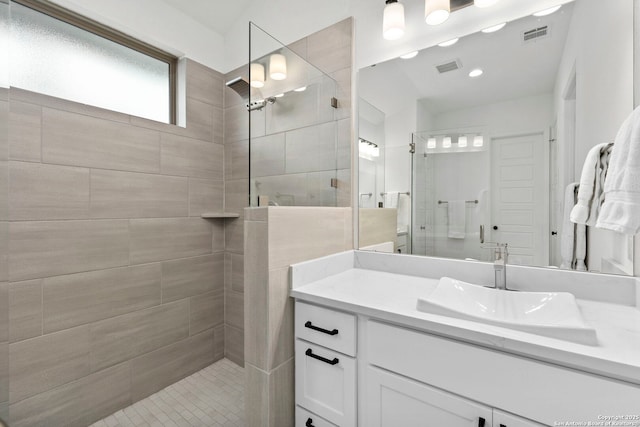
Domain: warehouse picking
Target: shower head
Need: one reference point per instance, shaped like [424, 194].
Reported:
[241, 86]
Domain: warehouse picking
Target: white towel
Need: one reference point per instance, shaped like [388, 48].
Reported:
[391, 199]
[457, 214]
[573, 241]
[404, 211]
[590, 192]
[621, 209]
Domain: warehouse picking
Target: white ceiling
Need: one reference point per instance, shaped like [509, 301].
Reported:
[512, 69]
[217, 15]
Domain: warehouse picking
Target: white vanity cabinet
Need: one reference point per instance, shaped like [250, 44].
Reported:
[325, 367]
[502, 419]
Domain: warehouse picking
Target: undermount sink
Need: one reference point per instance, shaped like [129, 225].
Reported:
[552, 314]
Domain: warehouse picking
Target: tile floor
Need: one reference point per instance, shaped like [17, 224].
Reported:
[212, 397]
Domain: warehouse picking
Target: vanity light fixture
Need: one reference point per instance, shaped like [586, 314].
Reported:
[462, 141]
[300, 89]
[278, 66]
[476, 72]
[431, 142]
[478, 141]
[449, 42]
[436, 11]
[494, 28]
[368, 149]
[446, 142]
[393, 20]
[257, 75]
[548, 11]
[409, 55]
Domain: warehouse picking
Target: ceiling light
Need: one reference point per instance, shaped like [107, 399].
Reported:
[278, 66]
[300, 89]
[548, 11]
[431, 143]
[280, 95]
[476, 73]
[462, 141]
[393, 20]
[446, 142]
[409, 55]
[257, 75]
[449, 42]
[436, 11]
[484, 3]
[478, 141]
[494, 28]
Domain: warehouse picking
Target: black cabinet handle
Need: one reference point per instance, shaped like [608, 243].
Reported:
[309, 325]
[322, 359]
[502, 425]
[553, 233]
[481, 422]
[309, 423]
[495, 227]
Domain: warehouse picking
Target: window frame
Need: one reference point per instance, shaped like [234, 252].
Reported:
[106, 32]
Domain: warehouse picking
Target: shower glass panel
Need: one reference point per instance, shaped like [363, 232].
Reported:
[293, 142]
[449, 168]
[4, 154]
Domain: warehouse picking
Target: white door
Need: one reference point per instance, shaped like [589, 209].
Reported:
[503, 419]
[394, 401]
[519, 201]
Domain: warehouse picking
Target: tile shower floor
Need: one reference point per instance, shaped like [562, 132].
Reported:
[212, 397]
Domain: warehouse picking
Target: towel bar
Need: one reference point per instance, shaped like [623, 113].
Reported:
[475, 202]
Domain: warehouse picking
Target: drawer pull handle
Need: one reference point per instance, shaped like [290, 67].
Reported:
[309, 353]
[481, 422]
[324, 331]
[502, 425]
[309, 423]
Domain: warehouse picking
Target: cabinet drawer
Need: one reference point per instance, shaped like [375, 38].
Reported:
[305, 418]
[329, 328]
[512, 383]
[326, 383]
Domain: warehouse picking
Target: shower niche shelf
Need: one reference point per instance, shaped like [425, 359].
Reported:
[219, 215]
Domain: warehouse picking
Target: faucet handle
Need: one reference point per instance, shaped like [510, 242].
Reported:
[501, 250]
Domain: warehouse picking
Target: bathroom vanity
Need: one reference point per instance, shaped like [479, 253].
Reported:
[365, 356]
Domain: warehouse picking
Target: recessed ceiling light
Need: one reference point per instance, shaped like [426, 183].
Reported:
[549, 11]
[409, 55]
[484, 3]
[476, 73]
[449, 42]
[280, 95]
[494, 28]
[300, 89]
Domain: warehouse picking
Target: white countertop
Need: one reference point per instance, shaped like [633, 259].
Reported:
[392, 297]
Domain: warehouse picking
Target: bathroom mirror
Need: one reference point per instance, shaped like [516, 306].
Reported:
[478, 140]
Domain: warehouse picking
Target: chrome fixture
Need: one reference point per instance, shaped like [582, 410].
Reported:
[260, 104]
[500, 259]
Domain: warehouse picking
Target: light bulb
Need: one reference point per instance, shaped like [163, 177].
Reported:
[278, 66]
[431, 142]
[484, 3]
[476, 73]
[393, 20]
[257, 75]
[446, 142]
[462, 141]
[478, 141]
[436, 11]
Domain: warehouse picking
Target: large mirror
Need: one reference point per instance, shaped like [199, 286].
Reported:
[485, 139]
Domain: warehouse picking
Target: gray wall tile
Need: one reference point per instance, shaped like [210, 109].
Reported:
[199, 119]
[205, 195]
[206, 311]
[40, 364]
[234, 309]
[25, 130]
[192, 276]
[268, 155]
[282, 396]
[236, 160]
[218, 342]
[311, 149]
[204, 84]
[190, 157]
[137, 195]
[77, 140]
[256, 294]
[4, 251]
[217, 229]
[256, 396]
[164, 239]
[81, 298]
[46, 192]
[76, 404]
[280, 318]
[236, 195]
[158, 369]
[51, 248]
[124, 337]
[234, 236]
[330, 49]
[25, 310]
[234, 344]
[4, 380]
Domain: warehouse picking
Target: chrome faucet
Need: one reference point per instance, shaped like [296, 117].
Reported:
[500, 258]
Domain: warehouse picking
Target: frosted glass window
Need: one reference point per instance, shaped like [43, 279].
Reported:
[55, 58]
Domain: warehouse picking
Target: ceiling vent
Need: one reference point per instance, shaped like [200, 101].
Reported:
[449, 66]
[535, 34]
